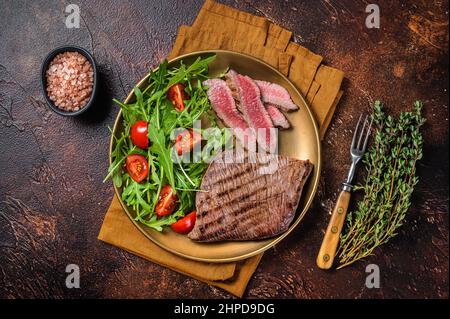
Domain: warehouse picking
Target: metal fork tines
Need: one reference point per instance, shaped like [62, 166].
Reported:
[358, 147]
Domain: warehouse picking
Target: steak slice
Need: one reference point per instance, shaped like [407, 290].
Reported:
[278, 118]
[277, 95]
[223, 104]
[255, 196]
[247, 93]
[230, 78]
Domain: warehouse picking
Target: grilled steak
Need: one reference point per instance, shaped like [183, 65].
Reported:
[253, 197]
[222, 102]
[277, 95]
[250, 104]
[278, 118]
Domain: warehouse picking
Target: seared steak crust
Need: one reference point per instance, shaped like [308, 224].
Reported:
[254, 197]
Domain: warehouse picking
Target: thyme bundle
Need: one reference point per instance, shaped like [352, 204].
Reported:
[389, 184]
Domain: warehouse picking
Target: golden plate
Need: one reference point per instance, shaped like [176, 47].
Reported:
[301, 141]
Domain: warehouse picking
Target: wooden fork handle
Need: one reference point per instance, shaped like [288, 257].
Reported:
[330, 242]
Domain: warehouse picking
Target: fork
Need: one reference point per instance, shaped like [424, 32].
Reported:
[330, 241]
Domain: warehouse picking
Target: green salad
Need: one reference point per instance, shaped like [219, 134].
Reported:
[149, 156]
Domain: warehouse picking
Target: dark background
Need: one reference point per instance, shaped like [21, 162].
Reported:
[52, 199]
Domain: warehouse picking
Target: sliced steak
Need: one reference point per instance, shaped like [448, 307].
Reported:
[250, 104]
[230, 78]
[277, 95]
[253, 197]
[222, 102]
[278, 118]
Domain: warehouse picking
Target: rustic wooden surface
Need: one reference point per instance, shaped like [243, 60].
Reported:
[52, 199]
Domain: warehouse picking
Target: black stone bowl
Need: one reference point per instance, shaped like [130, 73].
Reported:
[44, 67]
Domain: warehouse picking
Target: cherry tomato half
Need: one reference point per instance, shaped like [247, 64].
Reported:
[177, 95]
[186, 141]
[167, 201]
[139, 134]
[137, 167]
[185, 224]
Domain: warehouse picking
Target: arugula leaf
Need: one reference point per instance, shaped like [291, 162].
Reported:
[197, 69]
[158, 224]
[159, 147]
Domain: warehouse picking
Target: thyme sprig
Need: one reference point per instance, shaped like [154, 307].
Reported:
[391, 176]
